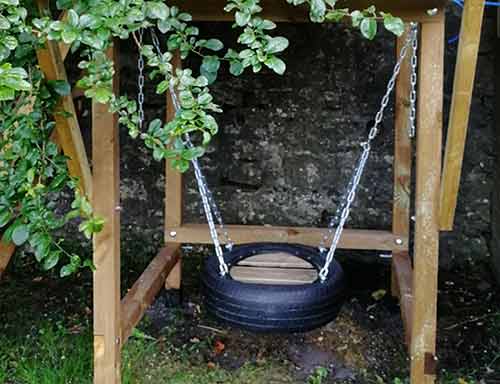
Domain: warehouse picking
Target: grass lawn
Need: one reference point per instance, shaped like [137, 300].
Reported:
[46, 338]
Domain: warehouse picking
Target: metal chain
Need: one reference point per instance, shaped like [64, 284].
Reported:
[209, 205]
[356, 177]
[203, 190]
[413, 81]
[211, 200]
[140, 82]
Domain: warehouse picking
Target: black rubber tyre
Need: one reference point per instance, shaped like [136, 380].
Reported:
[272, 308]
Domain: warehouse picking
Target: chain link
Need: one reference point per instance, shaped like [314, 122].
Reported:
[358, 172]
[140, 82]
[413, 81]
[211, 200]
[209, 205]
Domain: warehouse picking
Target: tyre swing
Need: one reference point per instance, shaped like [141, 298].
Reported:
[313, 296]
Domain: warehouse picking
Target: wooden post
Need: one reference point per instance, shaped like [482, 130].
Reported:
[429, 140]
[465, 72]
[173, 197]
[69, 136]
[6, 252]
[402, 154]
[106, 201]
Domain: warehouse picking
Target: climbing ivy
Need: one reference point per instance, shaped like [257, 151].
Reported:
[32, 169]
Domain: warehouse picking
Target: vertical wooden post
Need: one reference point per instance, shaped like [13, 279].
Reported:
[401, 264]
[106, 201]
[429, 140]
[465, 72]
[6, 252]
[173, 196]
[402, 153]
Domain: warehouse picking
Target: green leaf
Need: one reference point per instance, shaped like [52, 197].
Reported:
[51, 260]
[368, 27]
[394, 24]
[157, 10]
[73, 18]
[276, 64]
[214, 44]
[236, 68]
[318, 10]
[20, 234]
[67, 270]
[4, 23]
[242, 18]
[69, 35]
[102, 95]
[356, 17]
[5, 217]
[276, 44]
[210, 67]
[61, 87]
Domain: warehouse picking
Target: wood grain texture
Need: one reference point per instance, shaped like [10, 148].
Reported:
[402, 154]
[404, 275]
[351, 238]
[174, 203]
[143, 292]
[426, 249]
[6, 252]
[106, 200]
[276, 260]
[277, 10]
[69, 135]
[465, 72]
[280, 276]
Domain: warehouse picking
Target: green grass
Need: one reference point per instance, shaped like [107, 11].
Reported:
[53, 355]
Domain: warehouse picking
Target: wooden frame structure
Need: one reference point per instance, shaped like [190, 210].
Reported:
[414, 281]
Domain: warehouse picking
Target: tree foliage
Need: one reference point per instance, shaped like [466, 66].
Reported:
[32, 169]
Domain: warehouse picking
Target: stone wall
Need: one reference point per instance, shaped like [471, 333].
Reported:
[287, 145]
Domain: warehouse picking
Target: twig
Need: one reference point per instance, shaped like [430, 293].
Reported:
[212, 329]
[474, 319]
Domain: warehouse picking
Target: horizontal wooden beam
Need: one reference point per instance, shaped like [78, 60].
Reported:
[142, 293]
[401, 265]
[351, 239]
[280, 11]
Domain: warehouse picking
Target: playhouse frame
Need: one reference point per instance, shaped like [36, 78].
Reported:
[415, 283]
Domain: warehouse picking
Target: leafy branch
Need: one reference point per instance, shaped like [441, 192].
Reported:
[33, 171]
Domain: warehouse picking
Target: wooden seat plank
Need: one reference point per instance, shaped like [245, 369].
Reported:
[275, 260]
[282, 276]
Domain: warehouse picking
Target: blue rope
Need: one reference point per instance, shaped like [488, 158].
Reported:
[460, 3]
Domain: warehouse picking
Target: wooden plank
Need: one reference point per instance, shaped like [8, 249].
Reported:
[174, 203]
[68, 130]
[6, 252]
[425, 259]
[465, 72]
[106, 201]
[260, 275]
[280, 11]
[351, 238]
[402, 154]
[403, 272]
[276, 260]
[142, 293]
